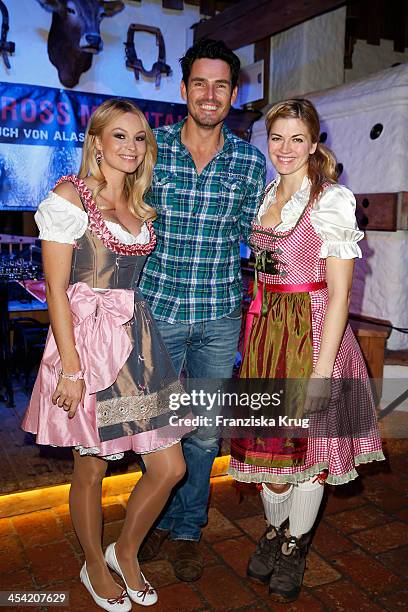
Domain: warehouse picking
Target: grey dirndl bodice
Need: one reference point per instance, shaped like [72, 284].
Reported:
[94, 264]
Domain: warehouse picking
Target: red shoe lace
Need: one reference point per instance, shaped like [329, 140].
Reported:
[120, 599]
[148, 590]
[321, 478]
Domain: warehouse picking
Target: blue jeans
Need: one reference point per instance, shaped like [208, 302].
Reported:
[206, 350]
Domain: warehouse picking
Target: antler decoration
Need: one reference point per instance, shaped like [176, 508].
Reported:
[132, 61]
[6, 46]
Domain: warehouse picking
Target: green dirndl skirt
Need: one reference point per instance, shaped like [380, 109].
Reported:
[280, 346]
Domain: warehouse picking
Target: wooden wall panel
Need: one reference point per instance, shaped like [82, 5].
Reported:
[382, 211]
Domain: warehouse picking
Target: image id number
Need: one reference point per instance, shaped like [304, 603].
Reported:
[34, 598]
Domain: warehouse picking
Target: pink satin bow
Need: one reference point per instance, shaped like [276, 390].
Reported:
[100, 338]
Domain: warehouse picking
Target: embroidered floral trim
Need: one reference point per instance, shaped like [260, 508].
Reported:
[99, 228]
[141, 407]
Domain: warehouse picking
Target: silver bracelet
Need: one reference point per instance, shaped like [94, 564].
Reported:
[72, 377]
[321, 375]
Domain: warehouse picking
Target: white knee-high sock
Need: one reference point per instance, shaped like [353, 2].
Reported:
[276, 505]
[306, 500]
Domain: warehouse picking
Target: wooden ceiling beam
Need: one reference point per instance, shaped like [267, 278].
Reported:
[401, 25]
[208, 7]
[252, 20]
[175, 5]
[371, 10]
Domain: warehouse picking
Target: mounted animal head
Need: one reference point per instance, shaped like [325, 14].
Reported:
[75, 34]
[6, 46]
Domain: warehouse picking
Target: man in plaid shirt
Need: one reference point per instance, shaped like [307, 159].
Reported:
[206, 189]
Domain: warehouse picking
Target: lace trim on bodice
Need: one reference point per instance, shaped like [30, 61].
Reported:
[99, 228]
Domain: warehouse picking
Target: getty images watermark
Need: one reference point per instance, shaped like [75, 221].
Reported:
[222, 400]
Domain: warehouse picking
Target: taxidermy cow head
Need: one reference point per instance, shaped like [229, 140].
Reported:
[75, 34]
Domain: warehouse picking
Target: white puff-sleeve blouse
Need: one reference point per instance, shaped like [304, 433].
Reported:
[59, 220]
[333, 218]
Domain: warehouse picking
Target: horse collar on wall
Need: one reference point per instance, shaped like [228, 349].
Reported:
[75, 34]
[6, 46]
[132, 61]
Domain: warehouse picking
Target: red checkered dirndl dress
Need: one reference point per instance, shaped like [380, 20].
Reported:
[346, 435]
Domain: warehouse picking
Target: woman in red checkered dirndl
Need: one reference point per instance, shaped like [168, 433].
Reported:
[305, 241]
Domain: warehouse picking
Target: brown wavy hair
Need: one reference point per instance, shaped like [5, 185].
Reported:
[136, 184]
[322, 163]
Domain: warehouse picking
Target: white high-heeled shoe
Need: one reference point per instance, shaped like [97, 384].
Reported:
[112, 604]
[144, 597]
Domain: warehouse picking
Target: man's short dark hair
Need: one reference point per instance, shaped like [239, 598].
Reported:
[210, 49]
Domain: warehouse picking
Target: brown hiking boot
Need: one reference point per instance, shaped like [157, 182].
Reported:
[187, 561]
[262, 562]
[287, 576]
[152, 544]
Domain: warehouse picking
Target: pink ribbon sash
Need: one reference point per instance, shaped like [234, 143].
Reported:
[101, 340]
[103, 346]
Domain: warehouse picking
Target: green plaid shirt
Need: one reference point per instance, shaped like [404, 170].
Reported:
[194, 273]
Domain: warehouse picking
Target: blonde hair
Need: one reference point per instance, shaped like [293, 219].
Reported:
[322, 163]
[137, 183]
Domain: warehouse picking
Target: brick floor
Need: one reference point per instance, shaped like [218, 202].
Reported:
[358, 560]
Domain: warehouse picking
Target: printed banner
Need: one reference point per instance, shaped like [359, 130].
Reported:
[41, 133]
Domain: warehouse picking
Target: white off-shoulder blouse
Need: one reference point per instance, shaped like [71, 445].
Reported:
[332, 216]
[59, 220]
